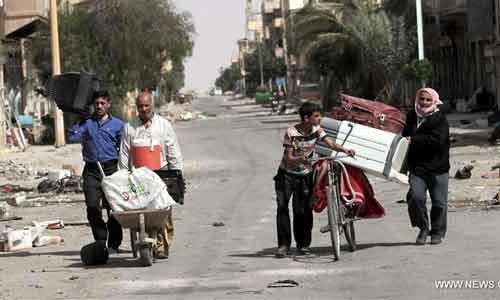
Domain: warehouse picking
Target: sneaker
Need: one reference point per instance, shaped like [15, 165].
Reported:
[422, 237]
[303, 250]
[282, 252]
[436, 239]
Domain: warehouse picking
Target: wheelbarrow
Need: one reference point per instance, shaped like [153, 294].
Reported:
[144, 226]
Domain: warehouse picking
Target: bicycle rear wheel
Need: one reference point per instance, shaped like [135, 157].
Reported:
[350, 235]
[333, 209]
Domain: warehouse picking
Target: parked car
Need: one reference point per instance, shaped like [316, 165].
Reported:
[218, 92]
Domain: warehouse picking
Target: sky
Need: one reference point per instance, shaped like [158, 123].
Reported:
[219, 24]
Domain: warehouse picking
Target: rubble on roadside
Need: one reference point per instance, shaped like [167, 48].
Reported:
[27, 238]
[464, 172]
[180, 112]
[14, 188]
[4, 210]
[23, 199]
[55, 186]
[14, 171]
[69, 184]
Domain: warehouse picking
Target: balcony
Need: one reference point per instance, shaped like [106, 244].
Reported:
[268, 6]
[445, 7]
[20, 17]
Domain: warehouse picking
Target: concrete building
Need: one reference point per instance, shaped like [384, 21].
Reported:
[19, 20]
[461, 38]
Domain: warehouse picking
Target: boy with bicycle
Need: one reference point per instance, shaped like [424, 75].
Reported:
[294, 179]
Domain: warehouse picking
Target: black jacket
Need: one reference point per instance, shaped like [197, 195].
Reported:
[429, 151]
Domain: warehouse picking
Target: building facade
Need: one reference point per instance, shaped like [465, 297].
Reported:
[461, 38]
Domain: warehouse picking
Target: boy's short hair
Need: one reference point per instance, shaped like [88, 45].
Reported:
[307, 109]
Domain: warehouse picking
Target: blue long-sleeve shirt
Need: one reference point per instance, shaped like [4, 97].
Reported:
[101, 142]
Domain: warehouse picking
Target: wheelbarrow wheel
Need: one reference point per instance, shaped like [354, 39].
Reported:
[146, 256]
[133, 239]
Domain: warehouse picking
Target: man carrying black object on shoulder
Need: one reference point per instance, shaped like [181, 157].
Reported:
[100, 135]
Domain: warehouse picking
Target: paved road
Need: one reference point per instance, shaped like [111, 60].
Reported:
[230, 163]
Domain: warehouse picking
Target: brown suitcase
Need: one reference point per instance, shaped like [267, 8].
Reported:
[369, 113]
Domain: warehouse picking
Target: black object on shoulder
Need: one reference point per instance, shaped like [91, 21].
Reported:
[74, 92]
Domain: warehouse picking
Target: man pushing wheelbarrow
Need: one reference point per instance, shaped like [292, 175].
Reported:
[150, 141]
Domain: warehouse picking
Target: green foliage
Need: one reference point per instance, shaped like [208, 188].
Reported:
[125, 44]
[273, 67]
[228, 79]
[356, 46]
[386, 45]
[419, 70]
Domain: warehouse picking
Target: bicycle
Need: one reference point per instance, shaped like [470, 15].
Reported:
[341, 212]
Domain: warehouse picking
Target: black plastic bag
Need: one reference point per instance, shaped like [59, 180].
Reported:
[94, 254]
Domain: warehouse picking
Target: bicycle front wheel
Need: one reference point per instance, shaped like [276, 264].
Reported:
[332, 207]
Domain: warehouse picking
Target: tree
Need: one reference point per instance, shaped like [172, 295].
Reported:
[273, 68]
[125, 44]
[321, 39]
[229, 78]
[356, 46]
[385, 45]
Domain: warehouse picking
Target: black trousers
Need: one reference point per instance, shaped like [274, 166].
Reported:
[299, 188]
[96, 201]
[416, 199]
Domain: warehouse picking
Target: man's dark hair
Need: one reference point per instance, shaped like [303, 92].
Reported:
[101, 94]
[307, 109]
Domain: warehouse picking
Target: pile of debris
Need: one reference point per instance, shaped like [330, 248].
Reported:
[12, 170]
[179, 112]
[30, 236]
[69, 184]
[58, 186]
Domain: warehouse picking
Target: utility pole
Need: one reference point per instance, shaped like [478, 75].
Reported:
[420, 30]
[3, 121]
[248, 16]
[284, 15]
[56, 70]
[261, 63]
[242, 49]
[497, 51]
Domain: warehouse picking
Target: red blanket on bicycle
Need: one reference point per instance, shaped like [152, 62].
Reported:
[354, 186]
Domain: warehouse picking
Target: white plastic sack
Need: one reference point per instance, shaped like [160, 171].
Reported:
[139, 189]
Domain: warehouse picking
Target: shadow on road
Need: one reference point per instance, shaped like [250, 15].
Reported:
[264, 253]
[476, 138]
[113, 263]
[319, 251]
[54, 253]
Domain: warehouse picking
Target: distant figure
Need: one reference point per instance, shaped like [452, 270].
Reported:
[485, 100]
[429, 163]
